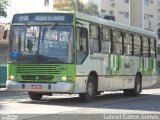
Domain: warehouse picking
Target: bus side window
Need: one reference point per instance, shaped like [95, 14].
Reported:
[152, 48]
[117, 42]
[158, 49]
[82, 39]
[94, 41]
[145, 47]
[127, 44]
[82, 43]
[106, 40]
[137, 45]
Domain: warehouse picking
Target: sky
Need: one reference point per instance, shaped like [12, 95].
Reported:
[84, 1]
[22, 6]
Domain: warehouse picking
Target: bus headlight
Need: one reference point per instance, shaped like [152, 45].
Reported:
[11, 77]
[65, 78]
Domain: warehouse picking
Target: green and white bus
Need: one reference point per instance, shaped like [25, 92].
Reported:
[75, 53]
[158, 58]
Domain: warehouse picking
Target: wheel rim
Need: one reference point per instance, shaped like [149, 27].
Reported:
[90, 89]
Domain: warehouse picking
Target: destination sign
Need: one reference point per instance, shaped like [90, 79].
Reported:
[43, 17]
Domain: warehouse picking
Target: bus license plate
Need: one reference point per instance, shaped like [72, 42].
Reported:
[36, 86]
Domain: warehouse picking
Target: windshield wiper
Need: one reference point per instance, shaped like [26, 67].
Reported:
[52, 26]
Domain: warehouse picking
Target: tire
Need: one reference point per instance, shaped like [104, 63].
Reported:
[98, 93]
[35, 96]
[90, 90]
[137, 88]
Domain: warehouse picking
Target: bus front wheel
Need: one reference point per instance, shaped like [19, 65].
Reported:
[90, 90]
[35, 96]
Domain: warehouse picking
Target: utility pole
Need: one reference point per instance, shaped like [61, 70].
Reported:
[76, 5]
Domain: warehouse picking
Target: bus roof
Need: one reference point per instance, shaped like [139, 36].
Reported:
[113, 24]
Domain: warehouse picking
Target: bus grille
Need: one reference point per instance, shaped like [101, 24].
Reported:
[37, 77]
[37, 69]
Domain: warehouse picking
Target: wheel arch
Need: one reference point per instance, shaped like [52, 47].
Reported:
[94, 73]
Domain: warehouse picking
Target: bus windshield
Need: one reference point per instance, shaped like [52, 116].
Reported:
[42, 44]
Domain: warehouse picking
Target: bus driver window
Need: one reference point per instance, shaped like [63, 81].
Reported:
[82, 35]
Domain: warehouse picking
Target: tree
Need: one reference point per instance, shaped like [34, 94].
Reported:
[3, 7]
[91, 8]
[80, 5]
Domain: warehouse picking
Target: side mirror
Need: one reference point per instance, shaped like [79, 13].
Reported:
[5, 34]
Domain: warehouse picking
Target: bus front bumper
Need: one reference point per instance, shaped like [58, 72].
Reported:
[59, 87]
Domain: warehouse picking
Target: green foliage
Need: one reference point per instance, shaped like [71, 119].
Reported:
[80, 5]
[91, 8]
[3, 7]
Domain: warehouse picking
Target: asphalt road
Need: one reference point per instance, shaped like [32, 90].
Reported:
[68, 107]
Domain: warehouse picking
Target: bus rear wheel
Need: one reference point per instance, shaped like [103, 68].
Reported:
[137, 88]
[90, 90]
[35, 96]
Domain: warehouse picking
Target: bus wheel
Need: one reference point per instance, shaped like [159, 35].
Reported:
[137, 88]
[90, 90]
[35, 96]
[99, 92]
